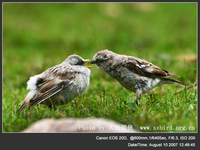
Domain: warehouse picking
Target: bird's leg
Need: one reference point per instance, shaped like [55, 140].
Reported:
[137, 101]
[78, 98]
[138, 95]
[78, 92]
[60, 94]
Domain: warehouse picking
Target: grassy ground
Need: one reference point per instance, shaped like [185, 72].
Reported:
[39, 36]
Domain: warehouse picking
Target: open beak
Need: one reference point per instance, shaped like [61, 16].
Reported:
[85, 61]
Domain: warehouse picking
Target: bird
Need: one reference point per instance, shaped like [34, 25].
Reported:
[59, 84]
[135, 74]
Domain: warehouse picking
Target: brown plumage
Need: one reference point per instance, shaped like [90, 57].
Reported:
[144, 68]
[133, 73]
[59, 84]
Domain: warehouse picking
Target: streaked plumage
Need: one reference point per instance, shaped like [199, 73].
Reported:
[133, 73]
[59, 84]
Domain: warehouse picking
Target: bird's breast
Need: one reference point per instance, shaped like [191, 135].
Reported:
[133, 81]
[81, 83]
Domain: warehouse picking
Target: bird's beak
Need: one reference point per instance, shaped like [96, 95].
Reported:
[85, 61]
[91, 62]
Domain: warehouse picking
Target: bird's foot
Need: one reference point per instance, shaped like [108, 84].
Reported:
[136, 102]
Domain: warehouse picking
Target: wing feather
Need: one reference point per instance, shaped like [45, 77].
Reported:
[47, 94]
[49, 83]
[62, 78]
[144, 68]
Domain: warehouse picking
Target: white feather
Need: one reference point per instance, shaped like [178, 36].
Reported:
[31, 84]
[30, 95]
[150, 70]
[143, 66]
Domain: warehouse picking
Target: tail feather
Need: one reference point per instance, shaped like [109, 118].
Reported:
[171, 76]
[26, 101]
[22, 107]
[175, 81]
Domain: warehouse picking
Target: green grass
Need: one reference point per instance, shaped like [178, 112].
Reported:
[37, 36]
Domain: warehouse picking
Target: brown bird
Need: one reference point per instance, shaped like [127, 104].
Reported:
[59, 84]
[134, 74]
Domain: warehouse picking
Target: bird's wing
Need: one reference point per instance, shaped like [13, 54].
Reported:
[56, 79]
[145, 68]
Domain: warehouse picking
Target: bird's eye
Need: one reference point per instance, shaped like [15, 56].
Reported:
[104, 56]
[80, 62]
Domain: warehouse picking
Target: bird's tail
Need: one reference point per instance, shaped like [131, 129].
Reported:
[26, 101]
[167, 80]
[22, 107]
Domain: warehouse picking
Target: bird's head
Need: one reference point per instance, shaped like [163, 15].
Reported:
[76, 60]
[101, 57]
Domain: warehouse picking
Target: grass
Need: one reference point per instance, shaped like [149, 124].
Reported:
[37, 36]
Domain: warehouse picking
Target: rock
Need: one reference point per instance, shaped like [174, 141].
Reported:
[78, 125]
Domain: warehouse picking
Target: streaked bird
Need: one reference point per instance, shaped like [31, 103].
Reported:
[58, 85]
[134, 74]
